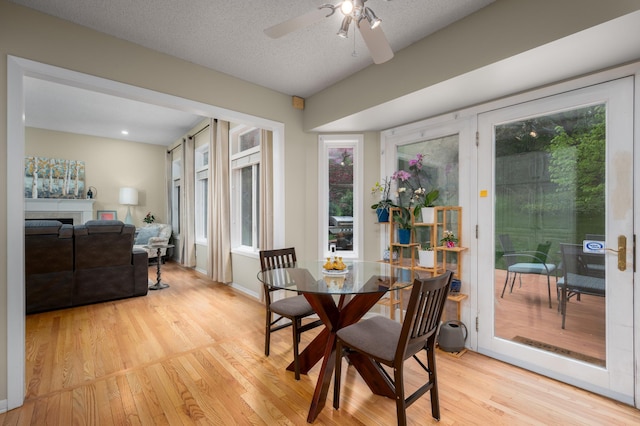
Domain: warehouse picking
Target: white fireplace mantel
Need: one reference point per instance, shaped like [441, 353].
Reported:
[80, 210]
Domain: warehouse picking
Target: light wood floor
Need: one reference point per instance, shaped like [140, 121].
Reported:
[193, 354]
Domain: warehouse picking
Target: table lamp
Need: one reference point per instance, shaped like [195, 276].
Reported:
[129, 197]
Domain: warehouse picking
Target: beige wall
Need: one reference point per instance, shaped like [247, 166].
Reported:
[110, 164]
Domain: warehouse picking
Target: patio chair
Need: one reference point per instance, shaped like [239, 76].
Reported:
[525, 262]
[578, 277]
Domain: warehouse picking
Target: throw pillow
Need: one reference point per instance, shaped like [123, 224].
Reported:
[144, 234]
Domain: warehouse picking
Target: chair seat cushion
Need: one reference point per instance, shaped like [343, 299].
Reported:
[532, 268]
[292, 307]
[378, 336]
[584, 284]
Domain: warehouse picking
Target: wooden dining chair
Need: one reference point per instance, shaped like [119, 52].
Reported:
[390, 343]
[292, 308]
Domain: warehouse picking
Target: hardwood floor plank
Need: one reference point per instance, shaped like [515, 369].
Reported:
[132, 416]
[103, 402]
[145, 402]
[23, 415]
[207, 397]
[53, 409]
[194, 354]
[116, 412]
[189, 403]
[85, 410]
[167, 396]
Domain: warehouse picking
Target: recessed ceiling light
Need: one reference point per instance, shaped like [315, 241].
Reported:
[125, 132]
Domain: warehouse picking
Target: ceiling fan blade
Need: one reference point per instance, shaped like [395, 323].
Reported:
[296, 23]
[376, 42]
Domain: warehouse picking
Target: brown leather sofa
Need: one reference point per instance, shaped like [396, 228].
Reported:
[69, 266]
[48, 246]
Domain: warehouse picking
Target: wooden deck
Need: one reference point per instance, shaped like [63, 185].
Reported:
[525, 313]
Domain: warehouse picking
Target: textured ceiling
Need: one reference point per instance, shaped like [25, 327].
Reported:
[228, 35]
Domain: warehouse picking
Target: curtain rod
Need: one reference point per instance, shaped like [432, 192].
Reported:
[199, 131]
[169, 151]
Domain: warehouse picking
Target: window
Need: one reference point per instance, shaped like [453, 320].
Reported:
[340, 195]
[439, 168]
[245, 187]
[202, 193]
[438, 143]
[439, 172]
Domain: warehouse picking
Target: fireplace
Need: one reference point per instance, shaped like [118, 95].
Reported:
[79, 211]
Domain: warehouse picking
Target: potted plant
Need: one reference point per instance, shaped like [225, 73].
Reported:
[424, 200]
[412, 183]
[403, 219]
[426, 206]
[426, 256]
[149, 219]
[388, 256]
[406, 195]
[448, 239]
[382, 206]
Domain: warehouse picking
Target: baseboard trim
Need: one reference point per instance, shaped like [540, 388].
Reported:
[245, 290]
[3, 406]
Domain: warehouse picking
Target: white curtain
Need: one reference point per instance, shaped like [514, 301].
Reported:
[219, 229]
[187, 204]
[265, 239]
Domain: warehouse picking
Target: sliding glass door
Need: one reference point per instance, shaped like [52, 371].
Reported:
[556, 287]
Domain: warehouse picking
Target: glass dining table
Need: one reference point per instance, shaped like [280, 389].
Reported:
[357, 289]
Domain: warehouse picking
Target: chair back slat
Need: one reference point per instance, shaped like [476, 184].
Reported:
[424, 311]
[279, 258]
[272, 259]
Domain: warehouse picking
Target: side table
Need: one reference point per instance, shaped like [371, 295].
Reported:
[159, 285]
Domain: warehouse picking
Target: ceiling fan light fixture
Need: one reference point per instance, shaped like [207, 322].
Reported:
[346, 7]
[373, 20]
[344, 27]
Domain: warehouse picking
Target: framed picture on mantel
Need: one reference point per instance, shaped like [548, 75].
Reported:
[107, 215]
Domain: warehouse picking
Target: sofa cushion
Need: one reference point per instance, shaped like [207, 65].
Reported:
[103, 226]
[145, 233]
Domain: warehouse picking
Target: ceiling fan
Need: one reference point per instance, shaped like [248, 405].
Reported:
[354, 11]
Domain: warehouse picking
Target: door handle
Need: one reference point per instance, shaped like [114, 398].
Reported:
[622, 252]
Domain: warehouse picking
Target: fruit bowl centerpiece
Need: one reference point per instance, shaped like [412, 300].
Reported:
[335, 266]
[334, 272]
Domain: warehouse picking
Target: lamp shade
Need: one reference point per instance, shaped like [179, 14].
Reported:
[129, 196]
